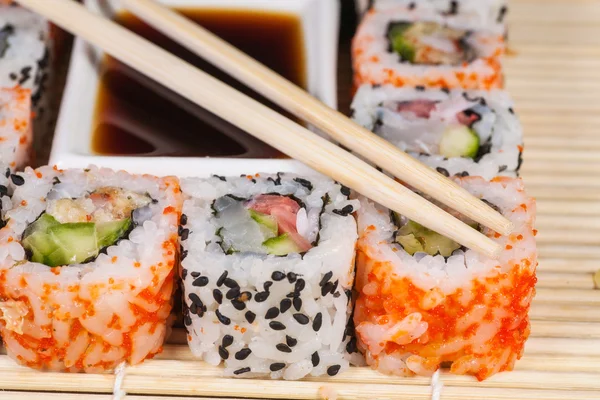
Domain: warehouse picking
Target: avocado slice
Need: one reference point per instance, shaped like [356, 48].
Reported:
[399, 43]
[414, 238]
[42, 224]
[268, 224]
[459, 141]
[281, 245]
[77, 241]
[109, 232]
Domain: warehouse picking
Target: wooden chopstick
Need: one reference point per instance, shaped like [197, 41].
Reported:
[300, 103]
[257, 119]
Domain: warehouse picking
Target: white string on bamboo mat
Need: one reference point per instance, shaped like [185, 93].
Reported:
[118, 392]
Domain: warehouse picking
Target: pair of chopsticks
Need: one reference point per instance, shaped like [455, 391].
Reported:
[275, 129]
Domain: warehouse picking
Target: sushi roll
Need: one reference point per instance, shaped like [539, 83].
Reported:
[15, 128]
[267, 269]
[26, 54]
[412, 47]
[425, 301]
[87, 266]
[456, 132]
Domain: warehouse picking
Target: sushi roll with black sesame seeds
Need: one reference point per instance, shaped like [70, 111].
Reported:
[456, 132]
[87, 266]
[26, 51]
[267, 268]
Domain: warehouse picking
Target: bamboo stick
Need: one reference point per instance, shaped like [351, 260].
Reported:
[571, 330]
[300, 103]
[560, 265]
[284, 134]
[564, 312]
[570, 285]
[571, 252]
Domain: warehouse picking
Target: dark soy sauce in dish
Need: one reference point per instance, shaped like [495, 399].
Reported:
[136, 116]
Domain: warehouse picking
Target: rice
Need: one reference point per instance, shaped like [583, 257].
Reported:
[15, 129]
[264, 315]
[94, 315]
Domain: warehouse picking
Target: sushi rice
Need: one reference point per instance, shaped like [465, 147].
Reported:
[416, 310]
[419, 120]
[87, 316]
[15, 129]
[438, 63]
[266, 315]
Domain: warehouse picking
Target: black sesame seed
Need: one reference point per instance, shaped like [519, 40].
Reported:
[3, 190]
[200, 282]
[336, 295]
[193, 308]
[222, 278]
[502, 168]
[242, 354]
[183, 219]
[276, 325]
[297, 303]
[344, 212]
[278, 276]
[292, 277]
[304, 183]
[333, 370]
[326, 289]
[351, 346]
[317, 322]
[195, 299]
[345, 190]
[511, 110]
[335, 286]
[272, 312]
[241, 371]
[187, 320]
[284, 348]
[195, 274]
[285, 305]
[276, 367]
[238, 305]
[245, 296]
[222, 319]
[17, 179]
[184, 234]
[230, 283]
[290, 341]
[223, 353]
[420, 88]
[179, 230]
[218, 296]
[184, 254]
[232, 293]
[412, 5]
[250, 316]
[267, 285]
[184, 273]
[300, 285]
[445, 90]
[227, 340]
[315, 358]
[326, 278]
[301, 318]
[443, 171]
[261, 296]
[220, 177]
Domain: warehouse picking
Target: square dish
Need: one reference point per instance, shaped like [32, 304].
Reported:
[72, 146]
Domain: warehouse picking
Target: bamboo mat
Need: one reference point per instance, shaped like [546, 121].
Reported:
[554, 75]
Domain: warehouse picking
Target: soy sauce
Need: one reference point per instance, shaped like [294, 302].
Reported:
[137, 116]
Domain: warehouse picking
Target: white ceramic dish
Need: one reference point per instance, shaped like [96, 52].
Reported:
[73, 136]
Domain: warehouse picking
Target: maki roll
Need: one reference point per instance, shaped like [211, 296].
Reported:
[87, 264]
[267, 268]
[425, 301]
[15, 128]
[26, 54]
[411, 47]
[454, 131]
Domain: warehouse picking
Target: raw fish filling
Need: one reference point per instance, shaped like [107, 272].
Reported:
[457, 129]
[74, 231]
[266, 224]
[430, 43]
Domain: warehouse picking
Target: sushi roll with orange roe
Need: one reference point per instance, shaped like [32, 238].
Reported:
[425, 301]
[411, 47]
[87, 266]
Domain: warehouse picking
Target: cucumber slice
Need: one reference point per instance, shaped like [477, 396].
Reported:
[418, 238]
[42, 224]
[109, 232]
[459, 141]
[77, 241]
[399, 43]
[281, 245]
[267, 223]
